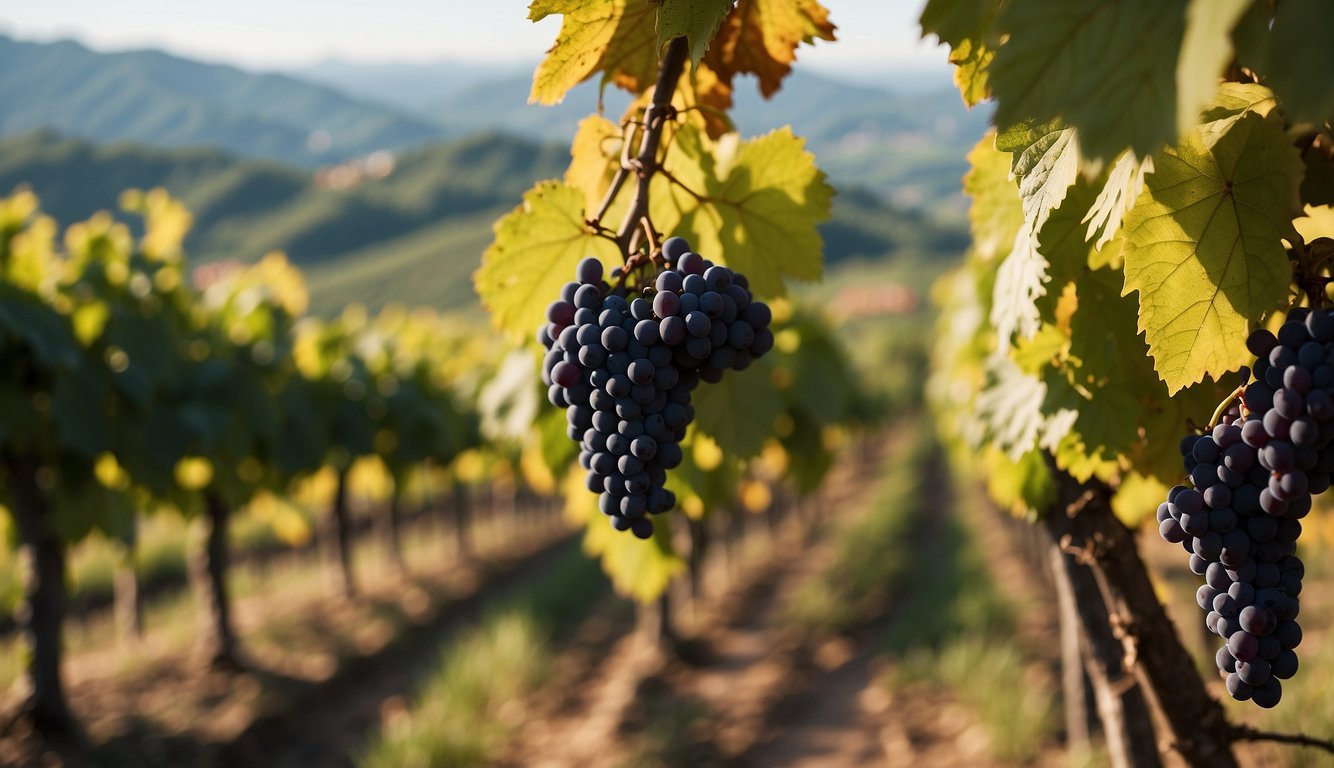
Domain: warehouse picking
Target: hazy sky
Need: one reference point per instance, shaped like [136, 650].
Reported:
[874, 35]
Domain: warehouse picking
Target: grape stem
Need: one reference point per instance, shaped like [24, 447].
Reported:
[1249, 733]
[645, 163]
[1223, 406]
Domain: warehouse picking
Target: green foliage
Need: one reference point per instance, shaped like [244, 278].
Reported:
[753, 206]
[1203, 246]
[535, 251]
[1132, 223]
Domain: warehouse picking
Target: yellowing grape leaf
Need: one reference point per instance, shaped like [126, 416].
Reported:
[996, 212]
[615, 37]
[753, 205]
[638, 569]
[971, 61]
[537, 246]
[761, 37]
[1203, 244]
[966, 27]
[1137, 499]
[1024, 486]
[594, 157]
[696, 20]
[1106, 66]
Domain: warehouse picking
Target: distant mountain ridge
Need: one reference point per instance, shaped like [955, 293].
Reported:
[155, 97]
[907, 147]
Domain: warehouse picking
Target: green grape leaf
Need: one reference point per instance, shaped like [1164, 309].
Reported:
[1024, 486]
[1045, 160]
[1165, 419]
[752, 205]
[1106, 66]
[739, 412]
[303, 440]
[1103, 429]
[509, 400]
[996, 211]
[1125, 182]
[638, 569]
[1034, 355]
[696, 20]
[45, 331]
[958, 21]
[1288, 61]
[1206, 50]
[1233, 99]
[821, 383]
[966, 27]
[78, 401]
[615, 37]
[536, 249]
[971, 61]
[1318, 183]
[1203, 245]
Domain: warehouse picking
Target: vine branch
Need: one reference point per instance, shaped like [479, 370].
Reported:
[1248, 733]
[645, 163]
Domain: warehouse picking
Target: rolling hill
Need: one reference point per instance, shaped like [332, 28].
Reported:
[414, 235]
[165, 100]
[906, 147]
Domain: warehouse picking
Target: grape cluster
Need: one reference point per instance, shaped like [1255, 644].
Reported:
[624, 368]
[1251, 482]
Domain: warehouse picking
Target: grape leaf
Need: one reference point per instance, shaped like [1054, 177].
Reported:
[614, 37]
[971, 61]
[1206, 50]
[1137, 499]
[739, 412]
[1124, 184]
[1203, 244]
[1106, 66]
[1009, 407]
[1024, 486]
[958, 21]
[966, 27]
[1287, 61]
[696, 20]
[638, 569]
[536, 249]
[594, 157]
[1020, 283]
[753, 205]
[1045, 160]
[761, 37]
[996, 212]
